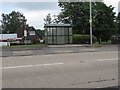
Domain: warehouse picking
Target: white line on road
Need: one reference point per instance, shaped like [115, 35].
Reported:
[13, 67]
[108, 59]
[32, 65]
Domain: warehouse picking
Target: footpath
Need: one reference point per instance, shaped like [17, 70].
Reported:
[54, 49]
[52, 46]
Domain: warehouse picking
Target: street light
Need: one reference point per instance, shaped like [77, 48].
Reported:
[90, 22]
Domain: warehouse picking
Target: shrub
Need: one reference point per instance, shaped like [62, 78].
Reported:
[83, 39]
[114, 39]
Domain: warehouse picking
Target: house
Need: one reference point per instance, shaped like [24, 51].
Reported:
[33, 36]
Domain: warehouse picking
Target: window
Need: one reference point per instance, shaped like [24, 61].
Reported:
[32, 32]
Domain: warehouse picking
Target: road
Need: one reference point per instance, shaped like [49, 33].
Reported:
[64, 70]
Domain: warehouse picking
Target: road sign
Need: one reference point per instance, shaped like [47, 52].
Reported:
[25, 33]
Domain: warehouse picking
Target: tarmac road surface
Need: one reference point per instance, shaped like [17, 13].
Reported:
[64, 70]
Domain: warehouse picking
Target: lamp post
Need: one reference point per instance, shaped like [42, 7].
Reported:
[91, 42]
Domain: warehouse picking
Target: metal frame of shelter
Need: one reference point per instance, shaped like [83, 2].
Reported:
[56, 34]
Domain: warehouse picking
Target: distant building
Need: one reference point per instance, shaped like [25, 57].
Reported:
[33, 36]
[8, 39]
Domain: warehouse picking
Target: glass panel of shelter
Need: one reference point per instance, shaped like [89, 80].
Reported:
[54, 30]
[60, 35]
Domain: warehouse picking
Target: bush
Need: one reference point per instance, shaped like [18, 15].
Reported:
[83, 39]
[114, 39]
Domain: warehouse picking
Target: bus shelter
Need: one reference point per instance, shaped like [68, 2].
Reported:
[56, 34]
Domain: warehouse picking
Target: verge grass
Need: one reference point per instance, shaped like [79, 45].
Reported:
[24, 45]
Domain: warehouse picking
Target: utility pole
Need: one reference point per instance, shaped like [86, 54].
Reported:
[91, 42]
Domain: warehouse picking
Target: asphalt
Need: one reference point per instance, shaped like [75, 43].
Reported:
[75, 70]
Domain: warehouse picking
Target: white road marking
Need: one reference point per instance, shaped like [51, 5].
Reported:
[13, 67]
[50, 64]
[108, 59]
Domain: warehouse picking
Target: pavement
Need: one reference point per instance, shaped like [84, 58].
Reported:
[54, 49]
[82, 45]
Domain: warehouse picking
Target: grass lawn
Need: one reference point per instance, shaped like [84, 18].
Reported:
[25, 45]
[109, 42]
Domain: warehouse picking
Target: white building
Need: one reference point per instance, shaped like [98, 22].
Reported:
[5, 37]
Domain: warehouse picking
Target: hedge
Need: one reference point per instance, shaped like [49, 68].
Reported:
[83, 39]
[115, 39]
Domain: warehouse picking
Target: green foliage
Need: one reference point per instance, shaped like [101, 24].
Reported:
[104, 25]
[48, 19]
[118, 23]
[114, 39]
[25, 45]
[78, 13]
[83, 39]
[42, 32]
[12, 22]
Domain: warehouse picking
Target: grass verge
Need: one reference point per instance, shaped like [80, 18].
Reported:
[24, 45]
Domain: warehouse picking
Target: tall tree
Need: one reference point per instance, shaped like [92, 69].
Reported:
[103, 18]
[12, 22]
[118, 23]
[78, 13]
[42, 32]
[48, 19]
[104, 25]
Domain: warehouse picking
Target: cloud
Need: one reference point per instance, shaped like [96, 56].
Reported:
[113, 3]
[34, 12]
[29, 1]
[31, 5]
[36, 18]
[119, 6]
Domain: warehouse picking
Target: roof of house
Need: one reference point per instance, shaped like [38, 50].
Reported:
[32, 28]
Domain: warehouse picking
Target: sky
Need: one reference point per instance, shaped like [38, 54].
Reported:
[35, 11]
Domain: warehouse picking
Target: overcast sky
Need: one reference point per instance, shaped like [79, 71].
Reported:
[35, 12]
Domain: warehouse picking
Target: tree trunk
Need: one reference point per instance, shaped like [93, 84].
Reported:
[99, 40]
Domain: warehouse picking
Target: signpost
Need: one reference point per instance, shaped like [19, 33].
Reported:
[25, 34]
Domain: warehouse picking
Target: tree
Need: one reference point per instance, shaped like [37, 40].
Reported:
[48, 19]
[103, 18]
[118, 23]
[104, 25]
[42, 32]
[12, 22]
[0, 29]
[77, 13]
